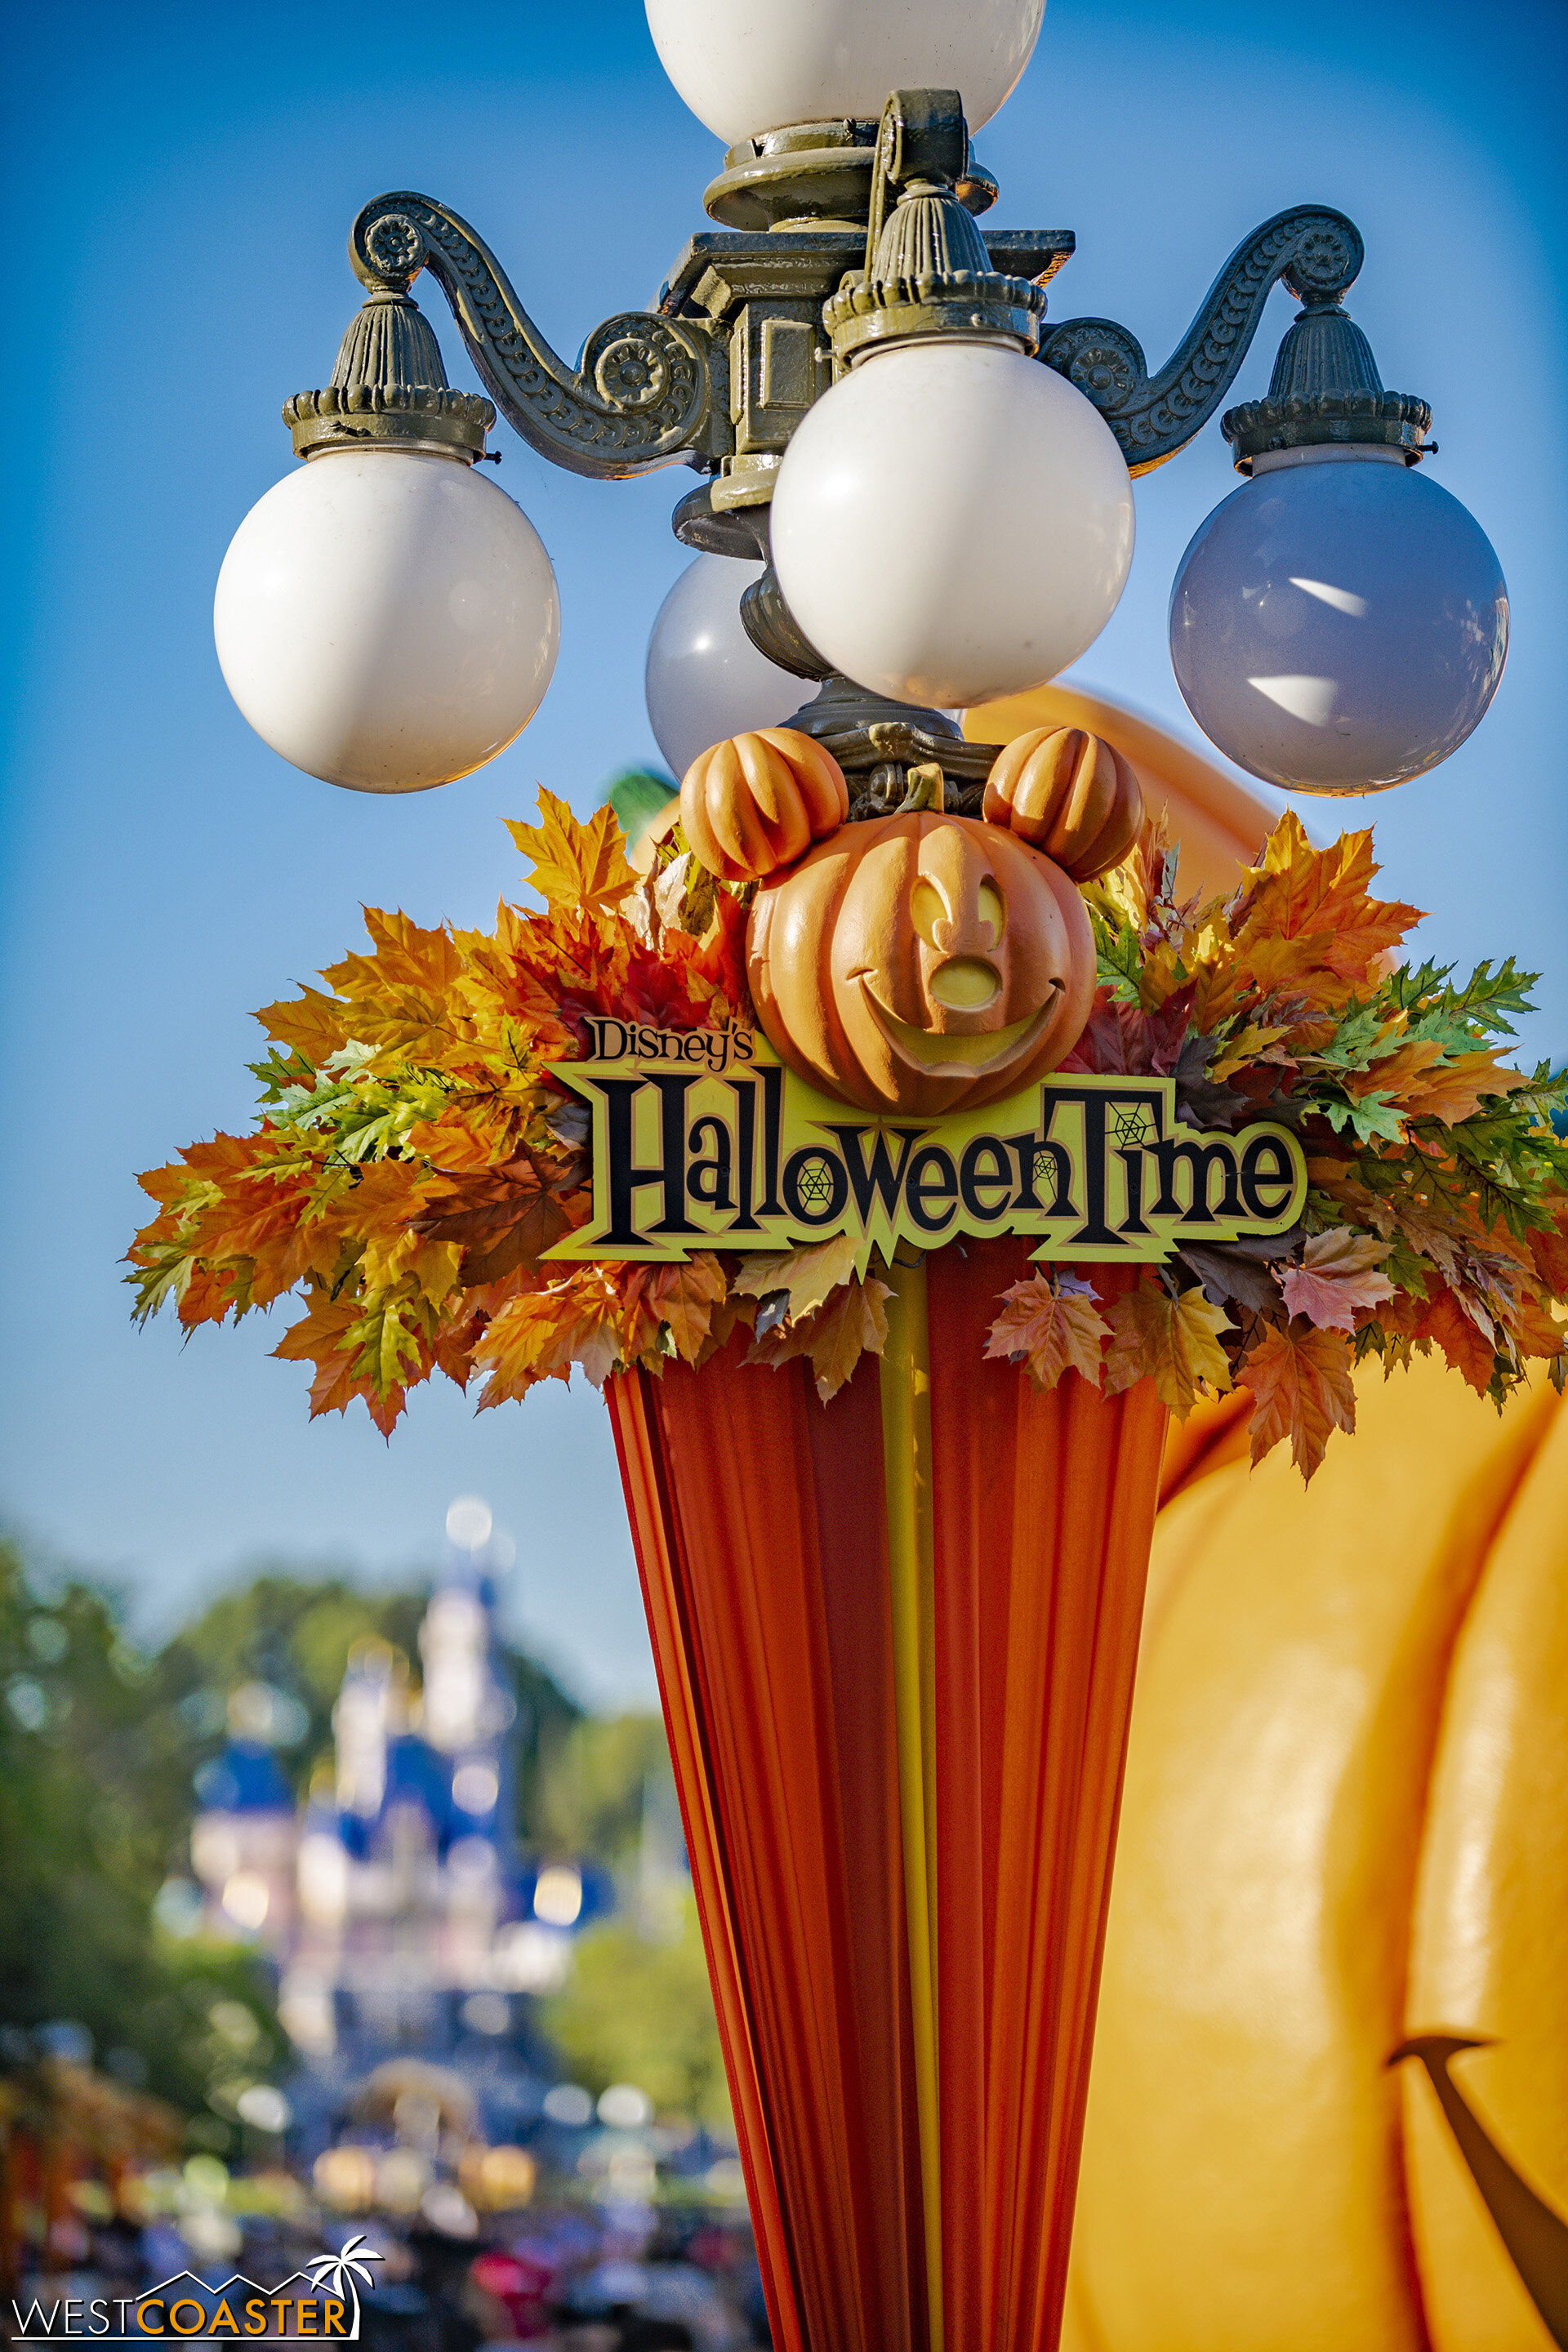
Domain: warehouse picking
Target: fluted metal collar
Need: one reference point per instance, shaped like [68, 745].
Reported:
[390, 387]
[932, 276]
[1326, 389]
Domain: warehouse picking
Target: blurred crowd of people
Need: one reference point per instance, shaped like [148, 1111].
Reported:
[566, 2278]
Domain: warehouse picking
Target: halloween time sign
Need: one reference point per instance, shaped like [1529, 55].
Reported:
[701, 1138]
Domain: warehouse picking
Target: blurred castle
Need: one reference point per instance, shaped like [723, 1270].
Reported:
[394, 1902]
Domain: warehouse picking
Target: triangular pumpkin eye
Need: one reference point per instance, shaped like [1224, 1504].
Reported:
[992, 912]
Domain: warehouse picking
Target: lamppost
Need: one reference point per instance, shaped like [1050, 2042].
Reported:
[894, 1601]
[935, 481]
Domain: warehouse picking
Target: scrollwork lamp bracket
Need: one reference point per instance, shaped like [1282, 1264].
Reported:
[755, 326]
[1326, 385]
[641, 397]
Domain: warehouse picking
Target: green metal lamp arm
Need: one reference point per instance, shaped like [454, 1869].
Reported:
[642, 395]
[1315, 252]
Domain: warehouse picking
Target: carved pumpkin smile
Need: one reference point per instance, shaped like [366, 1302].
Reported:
[958, 1053]
[921, 962]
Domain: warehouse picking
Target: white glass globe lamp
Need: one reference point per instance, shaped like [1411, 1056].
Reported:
[951, 522]
[386, 618]
[705, 680]
[1340, 624]
[744, 67]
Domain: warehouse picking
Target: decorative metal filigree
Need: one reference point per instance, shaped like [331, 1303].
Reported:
[1312, 251]
[640, 399]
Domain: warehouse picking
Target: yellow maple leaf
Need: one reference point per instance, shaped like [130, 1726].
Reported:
[1049, 1326]
[541, 1335]
[1172, 1341]
[574, 865]
[834, 1337]
[847, 1328]
[808, 1275]
[1301, 891]
[404, 955]
[684, 1298]
[317, 1025]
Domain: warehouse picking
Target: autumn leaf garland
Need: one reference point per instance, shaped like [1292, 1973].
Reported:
[1437, 1213]
[413, 1161]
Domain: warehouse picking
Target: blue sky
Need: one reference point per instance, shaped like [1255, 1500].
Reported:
[183, 180]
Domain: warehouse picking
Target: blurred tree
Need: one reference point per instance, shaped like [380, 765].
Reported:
[639, 2010]
[86, 1829]
[100, 1746]
[591, 1789]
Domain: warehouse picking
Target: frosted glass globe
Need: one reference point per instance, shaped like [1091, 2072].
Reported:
[705, 679]
[951, 522]
[1340, 624]
[386, 620]
[747, 66]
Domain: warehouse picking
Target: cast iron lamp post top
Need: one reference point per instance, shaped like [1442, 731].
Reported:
[934, 480]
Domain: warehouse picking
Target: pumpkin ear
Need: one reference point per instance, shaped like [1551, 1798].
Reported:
[757, 802]
[1069, 795]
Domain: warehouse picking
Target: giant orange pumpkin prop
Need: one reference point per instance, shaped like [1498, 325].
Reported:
[921, 962]
[1345, 1828]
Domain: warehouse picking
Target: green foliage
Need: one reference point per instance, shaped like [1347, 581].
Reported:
[89, 1824]
[638, 2010]
[99, 1746]
[591, 1788]
[1119, 955]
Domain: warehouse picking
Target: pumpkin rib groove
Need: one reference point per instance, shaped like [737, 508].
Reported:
[1248, 2179]
[1532, 1463]
[1479, 1543]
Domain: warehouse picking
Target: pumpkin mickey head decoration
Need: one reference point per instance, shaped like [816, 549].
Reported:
[920, 961]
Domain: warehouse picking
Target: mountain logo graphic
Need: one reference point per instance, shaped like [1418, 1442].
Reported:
[321, 2299]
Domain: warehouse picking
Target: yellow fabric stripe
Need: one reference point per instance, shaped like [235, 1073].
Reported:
[906, 1459]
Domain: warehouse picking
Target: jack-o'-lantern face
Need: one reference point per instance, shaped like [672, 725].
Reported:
[921, 963]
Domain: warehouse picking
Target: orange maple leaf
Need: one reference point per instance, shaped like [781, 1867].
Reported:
[1050, 1327]
[574, 865]
[847, 1328]
[316, 1025]
[1534, 1330]
[1453, 1090]
[1299, 890]
[1337, 1275]
[1172, 1341]
[330, 1336]
[541, 1335]
[1302, 1389]
[1548, 1250]
[1468, 1349]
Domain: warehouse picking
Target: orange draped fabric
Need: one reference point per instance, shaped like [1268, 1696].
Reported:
[760, 1527]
